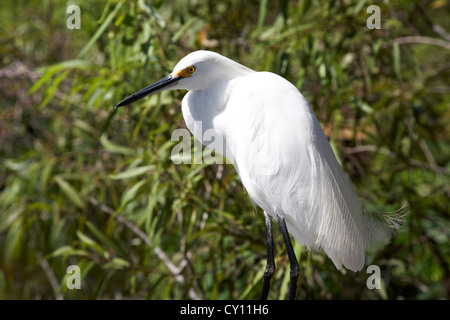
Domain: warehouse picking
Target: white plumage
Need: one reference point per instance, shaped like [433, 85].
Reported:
[280, 151]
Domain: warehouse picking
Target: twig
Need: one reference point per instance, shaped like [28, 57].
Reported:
[424, 40]
[427, 152]
[436, 28]
[50, 275]
[411, 162]
[176, 271]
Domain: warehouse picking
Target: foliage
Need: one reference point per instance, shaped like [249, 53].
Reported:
[82, 184]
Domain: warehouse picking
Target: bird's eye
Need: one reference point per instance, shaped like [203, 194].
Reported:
[191, 69]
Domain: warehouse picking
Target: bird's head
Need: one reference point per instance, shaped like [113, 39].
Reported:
[196, 71]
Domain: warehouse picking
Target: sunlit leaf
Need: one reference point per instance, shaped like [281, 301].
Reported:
[131, 172]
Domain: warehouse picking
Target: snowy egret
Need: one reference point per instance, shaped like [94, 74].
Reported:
[281, 154]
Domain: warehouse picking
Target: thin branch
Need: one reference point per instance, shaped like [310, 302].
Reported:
[434, 26]
[50, 275]
[411, 162]
[440, 31]
[176, 271]
[427, 152]
[424, 40]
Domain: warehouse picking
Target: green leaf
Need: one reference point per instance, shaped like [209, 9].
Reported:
[117, 263]
[64, 250]
[12, 242]
[186, 26]
[396, 60]
[114, 148]
[69, 191]
[68, 251]
[85, 239]
[49, 71]
[101, 29]
[262, 12]
[46, 172]
[7, 218]
[10, 194]
[131, 193]
[131, 172]
[89, 242]
[85, 126]
[102, 237]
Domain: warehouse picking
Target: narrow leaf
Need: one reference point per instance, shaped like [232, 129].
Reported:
[131, 172]
[69, 191]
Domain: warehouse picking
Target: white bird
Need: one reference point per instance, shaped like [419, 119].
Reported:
[281, 154]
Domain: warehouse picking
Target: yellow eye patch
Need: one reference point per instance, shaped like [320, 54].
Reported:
[185, 73]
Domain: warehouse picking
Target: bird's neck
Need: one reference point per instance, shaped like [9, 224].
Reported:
[211, 101]
[201, 109]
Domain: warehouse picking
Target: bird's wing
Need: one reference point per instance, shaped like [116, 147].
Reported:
[288, 168]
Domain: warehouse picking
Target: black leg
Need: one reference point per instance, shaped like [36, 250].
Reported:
[295, 269]
[270, 267]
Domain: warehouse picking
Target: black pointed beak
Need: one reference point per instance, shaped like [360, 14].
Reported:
[157, 86]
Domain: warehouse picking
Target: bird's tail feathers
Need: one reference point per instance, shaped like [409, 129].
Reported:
[381, 226]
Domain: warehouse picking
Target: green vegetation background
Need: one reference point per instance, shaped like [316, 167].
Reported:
[82, 184]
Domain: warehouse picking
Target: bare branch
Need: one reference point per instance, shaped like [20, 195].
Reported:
[436, 28]
[424, 40]
[411, 162]
[50, 275]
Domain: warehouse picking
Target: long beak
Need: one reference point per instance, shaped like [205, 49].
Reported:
[157, 86]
